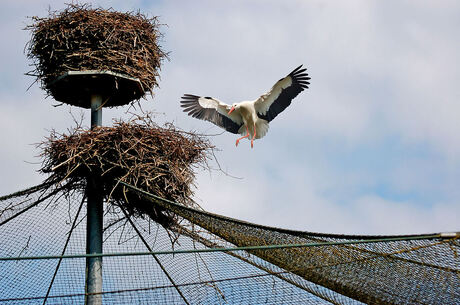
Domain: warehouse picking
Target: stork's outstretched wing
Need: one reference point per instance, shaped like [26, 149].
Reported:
[212, 110]
[269, 105]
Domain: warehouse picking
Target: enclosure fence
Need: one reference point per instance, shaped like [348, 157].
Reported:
[210, 259]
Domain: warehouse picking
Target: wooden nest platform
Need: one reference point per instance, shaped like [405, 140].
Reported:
[116, 47]
[160, 160]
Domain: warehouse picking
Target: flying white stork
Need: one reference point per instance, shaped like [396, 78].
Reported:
[250, 117]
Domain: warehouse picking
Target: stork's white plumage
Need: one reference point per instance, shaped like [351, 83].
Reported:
[248, 118]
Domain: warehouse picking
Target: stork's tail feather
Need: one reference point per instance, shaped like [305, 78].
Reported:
[261, 129]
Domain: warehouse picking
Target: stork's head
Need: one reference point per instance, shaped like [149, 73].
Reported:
[234, 107]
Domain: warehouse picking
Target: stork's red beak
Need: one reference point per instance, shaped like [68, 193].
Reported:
[231, 110]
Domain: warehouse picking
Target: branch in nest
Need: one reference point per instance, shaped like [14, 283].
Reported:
[160, 160]
[82, 38]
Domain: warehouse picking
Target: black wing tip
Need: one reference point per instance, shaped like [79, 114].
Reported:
[299, 74]
[303, 87]
[300, 77]
[190, 96]
[189, 101]
[296, 69]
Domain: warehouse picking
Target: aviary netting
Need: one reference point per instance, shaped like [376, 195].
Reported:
[215, 259]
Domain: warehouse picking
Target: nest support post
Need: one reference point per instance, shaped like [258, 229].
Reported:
[94, 223]
[96, 110]
[95, 89]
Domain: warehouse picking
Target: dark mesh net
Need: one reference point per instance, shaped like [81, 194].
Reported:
[44, 221]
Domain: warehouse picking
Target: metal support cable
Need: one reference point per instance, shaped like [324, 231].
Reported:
[63, 251]
[27, 191]
[179, 209]
[30, 206]
[245, 248]
[280, 275]
[154, 256]
[196, 283]
[168, 204]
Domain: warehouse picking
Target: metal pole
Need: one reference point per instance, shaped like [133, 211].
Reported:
[94, 222]
[96, 110]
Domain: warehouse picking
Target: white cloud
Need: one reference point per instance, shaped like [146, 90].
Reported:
[380, 70]
[390, 217]
[296, 203]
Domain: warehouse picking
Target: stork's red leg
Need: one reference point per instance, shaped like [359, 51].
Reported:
[254, 136]
[247, 135]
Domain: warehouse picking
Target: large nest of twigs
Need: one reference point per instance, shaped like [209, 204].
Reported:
[81, 38]
[159, 160]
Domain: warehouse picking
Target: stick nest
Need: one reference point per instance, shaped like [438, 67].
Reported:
[81, 38]
[159, 160]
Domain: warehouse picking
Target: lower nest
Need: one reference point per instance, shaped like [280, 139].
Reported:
[159, 160]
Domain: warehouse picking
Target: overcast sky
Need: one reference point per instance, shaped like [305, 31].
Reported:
[373, 147]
